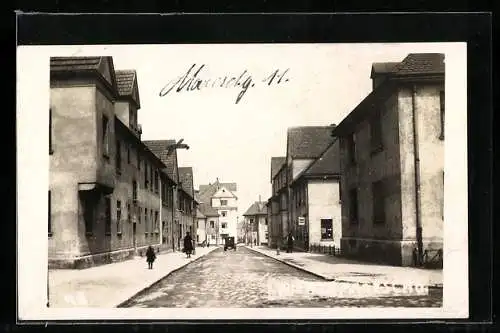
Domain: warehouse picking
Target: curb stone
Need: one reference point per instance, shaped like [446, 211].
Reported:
[379, 284]
[154, 283]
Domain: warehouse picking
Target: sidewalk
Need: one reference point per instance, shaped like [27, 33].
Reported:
[110, 285]
[351, 271]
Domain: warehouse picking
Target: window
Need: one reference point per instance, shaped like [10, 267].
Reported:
[134, 190]
[50, 132]
[128, 154]
[107, 222]
[118, 217]
[156, 222]
[118, 157]
[105, 136]
[265, 220]
[223, 202]
[353, 206]
[441, 113]
[50, 214]
[251, 220]
[156, 181]
[224, 213]
[129, 213]
[212, 224]
[88, 213]
[139, 214]
[378, 199]
[376, 132]
[351, 147]
[223, 225]
[326, 229]
[151, 180]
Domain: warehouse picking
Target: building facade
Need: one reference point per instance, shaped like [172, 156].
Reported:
[208, 221]
[222, 197]
[306, 148]
[393, 164]
[102, 207]
[256, 223]
[316, 204]
[275, 207]
[179, 195]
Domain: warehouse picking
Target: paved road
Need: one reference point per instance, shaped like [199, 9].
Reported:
[244, 278]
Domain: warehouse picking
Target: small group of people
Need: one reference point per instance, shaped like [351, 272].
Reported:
[188, 249]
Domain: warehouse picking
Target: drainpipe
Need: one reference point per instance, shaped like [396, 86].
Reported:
[417, 176]
[161, 208]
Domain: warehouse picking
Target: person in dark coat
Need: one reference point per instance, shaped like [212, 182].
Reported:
[289, 241]
[150, 256]
[188, 244]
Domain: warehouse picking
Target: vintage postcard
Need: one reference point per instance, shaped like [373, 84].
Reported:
[242, 181]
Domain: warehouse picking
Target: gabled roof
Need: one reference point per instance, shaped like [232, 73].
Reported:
[66, 67]
[415, 67]
[257, 208]
[207, 210]
[186, 180]
[168, 157]
[126, 81]
[421, 63]
[308, 142]
[208, 191]
[276, 164]
[327, 165]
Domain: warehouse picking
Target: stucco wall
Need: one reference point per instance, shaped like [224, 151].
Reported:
[431, 153]
[324, 203]
[73, 160]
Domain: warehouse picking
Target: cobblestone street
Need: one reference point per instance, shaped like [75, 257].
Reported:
[243, 278]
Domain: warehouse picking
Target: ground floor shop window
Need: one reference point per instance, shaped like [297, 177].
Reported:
[326, 229]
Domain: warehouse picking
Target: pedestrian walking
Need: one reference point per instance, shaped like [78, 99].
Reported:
[289, 242]
[150, 256]
[188, 245]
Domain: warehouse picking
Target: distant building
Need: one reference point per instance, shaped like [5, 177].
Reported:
[208, 224]
[222, 197]
[393, 164]
[256, 223]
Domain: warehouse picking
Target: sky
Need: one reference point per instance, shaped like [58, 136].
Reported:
[235, 141]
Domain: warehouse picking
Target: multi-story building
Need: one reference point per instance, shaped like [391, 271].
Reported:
[179, 194]
[393, 164]
[222, 197]
[208, 221]
[275, 222]
[305, 146]
[257, 223]
[315, 197]
[187, 202]
[104, 201]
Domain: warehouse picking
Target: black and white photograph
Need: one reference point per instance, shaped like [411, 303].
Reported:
[245, 181]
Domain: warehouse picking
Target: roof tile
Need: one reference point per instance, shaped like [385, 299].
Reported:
[308, 141]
